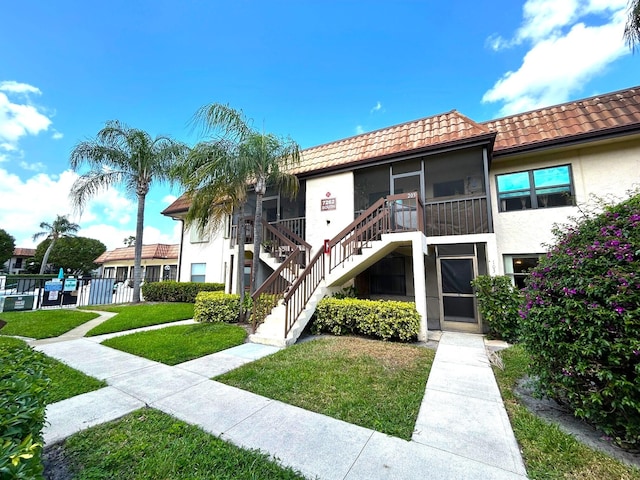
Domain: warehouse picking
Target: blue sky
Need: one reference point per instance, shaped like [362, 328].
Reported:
[315, 71]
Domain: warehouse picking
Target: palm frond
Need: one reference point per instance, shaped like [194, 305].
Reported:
[216, 117]
[90, 184]
[632, 27]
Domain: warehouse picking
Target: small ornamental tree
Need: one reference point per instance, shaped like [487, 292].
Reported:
[581, 320]
[7, 245]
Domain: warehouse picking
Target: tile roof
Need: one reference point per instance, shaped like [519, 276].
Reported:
[595, 116]
[437, 131]
[181, 204]
[156, 250]
[24, 252]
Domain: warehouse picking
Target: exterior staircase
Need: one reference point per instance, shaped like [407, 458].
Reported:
[285, 302]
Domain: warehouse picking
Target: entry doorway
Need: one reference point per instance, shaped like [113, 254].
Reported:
[456, 270]
[407, 182]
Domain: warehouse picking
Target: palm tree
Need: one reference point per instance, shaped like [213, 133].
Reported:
[129, 157]
[632, 27]
[60, 227]
[266, 157]
[258, 160]
[215, 191]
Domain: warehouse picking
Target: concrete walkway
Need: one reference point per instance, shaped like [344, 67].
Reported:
[462, 431]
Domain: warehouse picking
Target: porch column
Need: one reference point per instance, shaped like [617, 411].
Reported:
[418, 249]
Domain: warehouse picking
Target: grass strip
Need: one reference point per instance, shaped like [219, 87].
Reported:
[374, 384]
[43, 323]
[65, 382]
[148, 444]
[141, 315]
[550, 453]
[177, 344]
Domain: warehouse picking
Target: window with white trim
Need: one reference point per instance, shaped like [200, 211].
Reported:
[540, 188]
[518, 267]
[198, 271]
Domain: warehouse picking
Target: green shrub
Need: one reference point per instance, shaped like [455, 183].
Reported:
[582, 320]
[387, 320]
[216, 307]
[177, 291]
[22, 412]
[499, 303]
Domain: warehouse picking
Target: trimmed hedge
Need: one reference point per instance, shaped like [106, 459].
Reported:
[22, 411]
[581, 320]
[386, 320]
[177, 291]
[216, 307]
[499, 303]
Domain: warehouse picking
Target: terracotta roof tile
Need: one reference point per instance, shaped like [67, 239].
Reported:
[597, 115]
[437, 131]
[180, 205]
[24, 252]
[156, 250]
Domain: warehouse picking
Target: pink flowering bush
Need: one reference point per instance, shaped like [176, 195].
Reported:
[581, 320]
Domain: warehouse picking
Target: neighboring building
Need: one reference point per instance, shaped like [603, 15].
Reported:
[159, 262]
[17, 262]
[436, 201]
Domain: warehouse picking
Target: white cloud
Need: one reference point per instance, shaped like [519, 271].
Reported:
[169, 199]
[34, 167]
[19, 116]
[153, 235]
[564, 51]
[359, 129]
[110, 217]
[16, 87]
[56, 135]
[377, 108]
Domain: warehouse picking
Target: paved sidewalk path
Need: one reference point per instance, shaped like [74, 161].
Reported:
[462, 411]
[447, 443]
[79, 331]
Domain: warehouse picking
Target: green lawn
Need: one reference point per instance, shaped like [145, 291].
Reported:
[43, 323]
[548, 452]
[377, 385]
[142, 315]
[65, 381]
[148, 444]
[177, 344]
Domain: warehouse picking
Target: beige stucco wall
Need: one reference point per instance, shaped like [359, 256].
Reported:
[323, 225]
[608, 170]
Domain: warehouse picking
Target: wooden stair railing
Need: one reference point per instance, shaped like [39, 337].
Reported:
[297, 297]
[276, 242]
[361, 230]
[394, 213]
[293, 237]
[266, 297]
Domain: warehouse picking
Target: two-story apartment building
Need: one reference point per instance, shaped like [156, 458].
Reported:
[17, 263]
[416, 211]
[158, 261]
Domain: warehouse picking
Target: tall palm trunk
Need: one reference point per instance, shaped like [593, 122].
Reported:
[45, 259]
[137, 259]
[257, 240]
[240, 239]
